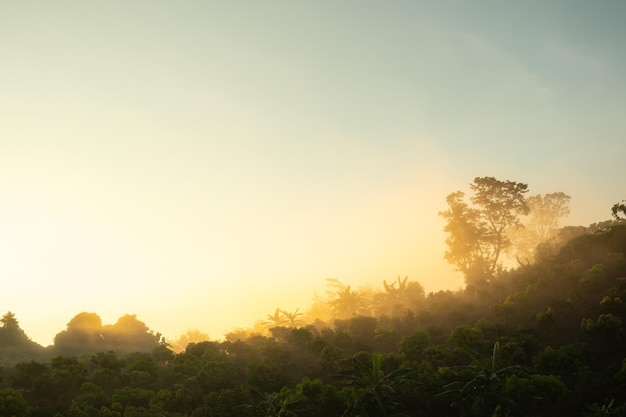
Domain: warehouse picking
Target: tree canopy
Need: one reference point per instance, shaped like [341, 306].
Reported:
[477, 234]
[539, 339]
[540, 226]
[619, 210]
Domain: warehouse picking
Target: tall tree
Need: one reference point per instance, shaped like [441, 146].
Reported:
[275, 320]
[464, 230]
[83, 334]
[477, 234]
[619, 208]
[292, 318]
[11, 334]
[348, 304]
[345, 303]
[545, 213]
[8, 321]
[399, 297]
[542, 224]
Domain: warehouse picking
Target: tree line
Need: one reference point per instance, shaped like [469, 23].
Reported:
[542, 337]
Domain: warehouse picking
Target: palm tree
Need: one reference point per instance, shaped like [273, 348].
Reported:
[391, 288]
[401, 296]
[275, 320]
[292, 318]
[373, 391]
[348, 303]
[484, 393]
[277, 404]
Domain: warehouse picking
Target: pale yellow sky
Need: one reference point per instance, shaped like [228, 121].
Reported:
[200, 164]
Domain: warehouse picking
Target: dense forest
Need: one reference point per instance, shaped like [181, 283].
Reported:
[539, 338]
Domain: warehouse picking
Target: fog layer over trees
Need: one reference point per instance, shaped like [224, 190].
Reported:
[538, 331]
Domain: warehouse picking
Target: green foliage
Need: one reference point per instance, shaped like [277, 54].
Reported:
[484, 386]
[12, 403]
[466, 336]
[229, 403]
[132, 398]
[321, 397]
[31, 377]
[532, 395]
[107, 370]
[607, 409]
[286, 403]
[564, 314]
[413, 346]
[374, 392]
[265, 376]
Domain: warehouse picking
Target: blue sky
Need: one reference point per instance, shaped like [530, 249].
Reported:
[224, 158]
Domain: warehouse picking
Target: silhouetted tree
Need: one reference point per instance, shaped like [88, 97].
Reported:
[292, 318]
[275, 320]
[11, 335]
[396, 300]
[573, 300]
[477, 234]
[190, 336]
[129, 334]
[348, 303]
[545, 213]
[619, 208]
[552, 246]
[83, 334]
[391, 289]
[541, 225]
[8, 321]
[345, 303]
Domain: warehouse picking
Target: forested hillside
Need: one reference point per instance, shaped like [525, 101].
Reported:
[536, 340]
[312, 208]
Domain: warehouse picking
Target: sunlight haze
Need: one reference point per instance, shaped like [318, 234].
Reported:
[200, 164]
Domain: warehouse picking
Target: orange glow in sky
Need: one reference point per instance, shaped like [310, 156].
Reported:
[201, 164]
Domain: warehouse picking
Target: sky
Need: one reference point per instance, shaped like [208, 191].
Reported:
[201, 163]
